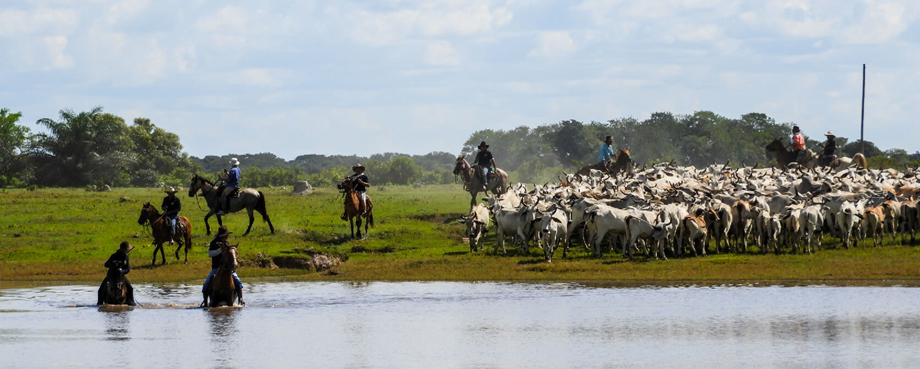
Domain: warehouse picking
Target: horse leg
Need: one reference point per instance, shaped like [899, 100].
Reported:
[250, 221]
[207, 226]
[351, 223]
[358, 221]
[154, 262]
[366, 224]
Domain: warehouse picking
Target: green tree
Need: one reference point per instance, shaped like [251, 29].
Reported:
[81, 149]
[572, 143]
[14, 140]
[856, 146]
[156, 153]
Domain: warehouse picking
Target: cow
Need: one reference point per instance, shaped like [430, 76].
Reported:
[641, 228]
[601, 220]
[873, 221]
[811, 220]
[514, 221]
[552, 225]
[693, 228]
[742, 220]
[847, 219]
[477, 224]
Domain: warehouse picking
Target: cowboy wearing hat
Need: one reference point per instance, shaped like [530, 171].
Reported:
[171, 206]
[359, 183]
[119, 260]
[215, 254]
[798, 142]
[231, 184]
[606, 151]
[830, 147]
[485, 161]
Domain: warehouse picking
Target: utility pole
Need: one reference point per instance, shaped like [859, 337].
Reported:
[862, 115]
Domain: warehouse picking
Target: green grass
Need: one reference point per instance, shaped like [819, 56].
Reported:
[65, 235]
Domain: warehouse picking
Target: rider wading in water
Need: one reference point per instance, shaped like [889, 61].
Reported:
[120, 260]
[486, 162]
[215, 253]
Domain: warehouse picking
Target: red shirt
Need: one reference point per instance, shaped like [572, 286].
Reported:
[798, 142]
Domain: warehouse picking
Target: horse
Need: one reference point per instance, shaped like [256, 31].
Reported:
[222, 289]
[472, 181]
[783, 155]
[115, 291]
[160, 230]
[353, 207]
[622, 163]
[249, 199]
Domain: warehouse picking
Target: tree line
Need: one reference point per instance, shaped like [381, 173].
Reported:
[96, 148]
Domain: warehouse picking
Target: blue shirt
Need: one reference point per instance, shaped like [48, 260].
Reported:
[606, 152]
[233, 179]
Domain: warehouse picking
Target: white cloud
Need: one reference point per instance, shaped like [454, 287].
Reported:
[553, 45]
[56, 46]
[41, 21]
[455, 18]
[441, 53]
[125, 10]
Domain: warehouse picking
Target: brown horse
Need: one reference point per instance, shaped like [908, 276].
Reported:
[472, 179]
[249, 199]
[622, 164]
[783, 155]
[353, 208]
[160, 230]
[115, 291]
[222, 291]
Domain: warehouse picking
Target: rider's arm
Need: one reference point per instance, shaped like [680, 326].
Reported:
[213, 253]
[125, 267]
[493, 164]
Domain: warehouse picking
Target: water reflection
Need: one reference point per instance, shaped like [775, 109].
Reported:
[117, 325]
[222, 339]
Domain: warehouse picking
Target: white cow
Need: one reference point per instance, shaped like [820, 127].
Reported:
[477, 223]
[847, 219]
[641, 228]
[601, 220]
[513, 221]
[552, 225]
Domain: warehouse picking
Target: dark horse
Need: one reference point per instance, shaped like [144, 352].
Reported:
[115, 291]
[353, 208]
[472, 179]
[249, 199]
[623, 164]
[783, 155]
[160, 230]
[222, 289]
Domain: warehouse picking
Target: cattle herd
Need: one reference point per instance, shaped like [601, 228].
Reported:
[676, 211]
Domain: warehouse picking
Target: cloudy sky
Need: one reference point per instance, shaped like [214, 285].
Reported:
[362, 77]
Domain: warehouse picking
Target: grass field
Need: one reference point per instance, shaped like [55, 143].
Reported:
[65, 235]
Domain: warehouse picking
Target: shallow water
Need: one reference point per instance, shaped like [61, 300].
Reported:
[464, 325]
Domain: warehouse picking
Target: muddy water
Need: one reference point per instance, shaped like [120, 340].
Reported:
[467, 325]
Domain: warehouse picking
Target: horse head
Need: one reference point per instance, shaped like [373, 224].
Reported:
[194, 185]
[461, 165]
[230, 256]
[624, 153]
[148, 214]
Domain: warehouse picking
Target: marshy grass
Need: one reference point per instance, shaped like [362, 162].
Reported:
[65, 235]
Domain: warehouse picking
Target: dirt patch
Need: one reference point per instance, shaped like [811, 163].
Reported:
[437, 218]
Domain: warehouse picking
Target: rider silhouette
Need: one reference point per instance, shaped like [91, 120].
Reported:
[120, 260]
[485, 161]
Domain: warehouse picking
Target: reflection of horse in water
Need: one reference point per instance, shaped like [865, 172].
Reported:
[249, 199]
[622, 164]
[472, 179]
[222, 289]
[160, 230]
[353, 209]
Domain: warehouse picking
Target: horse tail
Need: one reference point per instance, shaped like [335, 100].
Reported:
[370, 218]
[260, 207]
[860, 161]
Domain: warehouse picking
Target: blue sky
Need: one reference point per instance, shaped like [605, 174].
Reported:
[362, 77]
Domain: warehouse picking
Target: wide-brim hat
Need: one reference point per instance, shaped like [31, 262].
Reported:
[830, 133]
[125, 246]
[171, 190]
[233, 161]
[483, 143]
[357, 166]
[222, 231]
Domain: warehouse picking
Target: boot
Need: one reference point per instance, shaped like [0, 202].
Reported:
[239, 296]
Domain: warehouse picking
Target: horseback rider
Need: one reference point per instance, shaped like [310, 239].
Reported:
[606, 151]
[119, 260]
[830, 147]
[486, 162]
[171, 206]
[215, 253]
[359, 184]
[798, 143]
[230, 185]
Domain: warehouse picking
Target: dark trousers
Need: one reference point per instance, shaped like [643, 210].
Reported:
[129, 298]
